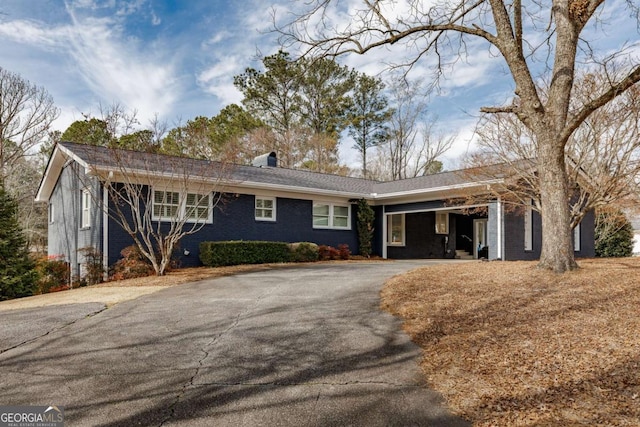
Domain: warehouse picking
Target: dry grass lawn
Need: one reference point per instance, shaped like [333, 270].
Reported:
[509, 345]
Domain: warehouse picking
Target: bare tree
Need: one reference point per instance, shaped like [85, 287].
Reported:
[602, 155]
[26, 114]
[412, 146]
[157, 199]
[532, 37]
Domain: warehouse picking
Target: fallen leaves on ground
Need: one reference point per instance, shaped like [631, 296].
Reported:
[508, 344]
[188, 275]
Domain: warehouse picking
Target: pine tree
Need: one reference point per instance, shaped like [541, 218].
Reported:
[17, 269]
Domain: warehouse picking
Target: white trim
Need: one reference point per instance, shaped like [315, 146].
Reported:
[421, 191]
[182, 206]
[499, 228]
[449, 209]
[384, 231]
[85, 210]
[577, 237]
[403, 238]
[446, 222]
[52, 213]
[105, 231]
[528, 225]
[273, 217]
[307, 190]
[331, 215]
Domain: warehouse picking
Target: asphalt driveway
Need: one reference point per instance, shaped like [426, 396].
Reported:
[303, 346]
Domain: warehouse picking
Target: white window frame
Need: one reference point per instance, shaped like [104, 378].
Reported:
[528, 226]
[446, 223]
[273, 200]
[52, 212]
[197, 206]
[402, 241]
[85, 212]
[331, 220]
[181, 207]
[576, 238]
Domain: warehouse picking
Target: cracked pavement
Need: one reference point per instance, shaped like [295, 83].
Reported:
[302, 346]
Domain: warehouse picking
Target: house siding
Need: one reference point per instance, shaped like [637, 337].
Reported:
[514, 245]
[234, 219]
[66, 235]
[421, 240]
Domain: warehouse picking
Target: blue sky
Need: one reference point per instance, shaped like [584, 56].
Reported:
[177, 58]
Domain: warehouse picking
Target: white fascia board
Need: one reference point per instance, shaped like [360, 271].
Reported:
[446, 188]
[442, 209]
[300, 190]
[228, 184]
[58, 159]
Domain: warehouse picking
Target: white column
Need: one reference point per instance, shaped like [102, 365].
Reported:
[499, 229]
[105, 231]
[384, 233]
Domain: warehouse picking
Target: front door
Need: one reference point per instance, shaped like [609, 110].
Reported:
[480, 238]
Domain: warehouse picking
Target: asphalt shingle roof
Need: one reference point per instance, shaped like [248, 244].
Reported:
[102, 157]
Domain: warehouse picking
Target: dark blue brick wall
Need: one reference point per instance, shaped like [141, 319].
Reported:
[514, 237]
[421, 240]
[234, 219]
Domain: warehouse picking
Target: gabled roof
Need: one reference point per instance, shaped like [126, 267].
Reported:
[101, 159]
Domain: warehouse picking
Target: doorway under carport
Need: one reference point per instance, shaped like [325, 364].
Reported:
[437, 234]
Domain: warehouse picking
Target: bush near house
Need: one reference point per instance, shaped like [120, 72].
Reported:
[53, 274]
[614, 235]
[304, 252]
[132, 265]
[217, 254]
[330, 253]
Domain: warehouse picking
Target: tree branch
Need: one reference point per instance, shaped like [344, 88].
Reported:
[593, 105]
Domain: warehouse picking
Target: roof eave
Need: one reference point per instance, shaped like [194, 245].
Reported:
[466, 186]
[99, 170]
[58, 159]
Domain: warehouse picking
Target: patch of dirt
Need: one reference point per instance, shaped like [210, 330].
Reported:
[508, 344]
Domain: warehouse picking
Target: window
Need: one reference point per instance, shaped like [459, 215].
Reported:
[166, 204]
[442, 223]
[51, 213]
[85, 217]
[576, 238]
[265, 208]
[174, 206]
[197, 207]
[327, 215]
[395, 230]
[528, 226]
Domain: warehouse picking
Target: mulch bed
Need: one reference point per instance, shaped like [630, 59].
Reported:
[508, 344]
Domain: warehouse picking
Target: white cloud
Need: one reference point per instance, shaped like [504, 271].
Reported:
[115, 67]
[217, 79]
[119, 69]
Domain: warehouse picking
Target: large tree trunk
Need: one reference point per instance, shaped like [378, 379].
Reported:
[557, 246]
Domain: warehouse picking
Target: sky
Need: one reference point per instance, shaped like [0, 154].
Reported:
[177, 59]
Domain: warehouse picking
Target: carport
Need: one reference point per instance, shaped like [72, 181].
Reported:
[433, 230]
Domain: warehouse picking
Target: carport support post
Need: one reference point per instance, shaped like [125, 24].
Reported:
[384, 233]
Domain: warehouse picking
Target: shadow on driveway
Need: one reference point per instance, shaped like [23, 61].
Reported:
[305, 346]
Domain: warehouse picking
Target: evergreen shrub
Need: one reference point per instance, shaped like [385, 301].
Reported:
[217, 254]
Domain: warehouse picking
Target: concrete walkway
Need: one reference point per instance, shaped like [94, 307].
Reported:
[301, 346]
